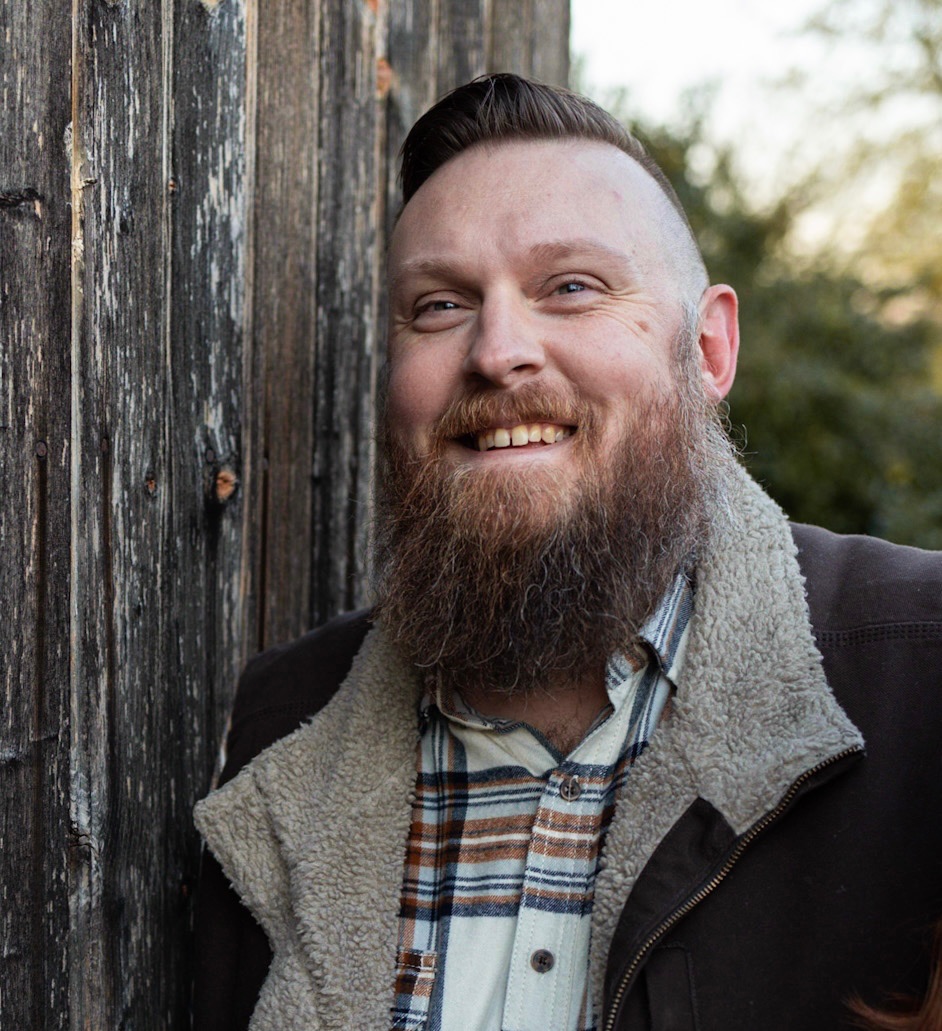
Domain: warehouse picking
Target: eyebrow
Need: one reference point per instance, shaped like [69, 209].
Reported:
[434, 268]
[559, 250]
[540, 253]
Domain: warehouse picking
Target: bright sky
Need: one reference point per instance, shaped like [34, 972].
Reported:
[657, 50]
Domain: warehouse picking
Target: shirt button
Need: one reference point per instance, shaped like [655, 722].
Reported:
[542, 961]
[570, 789]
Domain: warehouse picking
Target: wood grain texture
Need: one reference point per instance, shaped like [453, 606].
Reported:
[347, 260]
[462, 42]
[548, 40]
[122, 394]
[34, 513]
[206, 642]
[193, 200]
[157, 343]
[284, 276]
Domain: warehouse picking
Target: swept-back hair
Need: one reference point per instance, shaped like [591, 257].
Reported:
[501, 108]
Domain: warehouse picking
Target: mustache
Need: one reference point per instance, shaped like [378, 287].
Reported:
[528, 403]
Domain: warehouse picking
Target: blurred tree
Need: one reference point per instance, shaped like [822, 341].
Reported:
[906, 37]
[893, 113]
[834, 402]
[838, 401]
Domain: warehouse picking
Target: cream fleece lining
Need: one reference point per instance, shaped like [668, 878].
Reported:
[312, 832]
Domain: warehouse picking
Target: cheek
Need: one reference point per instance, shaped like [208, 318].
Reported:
[609, 354]
[617, 375]
[415, 398]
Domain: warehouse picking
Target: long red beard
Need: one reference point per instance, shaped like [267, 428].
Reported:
[512, 584]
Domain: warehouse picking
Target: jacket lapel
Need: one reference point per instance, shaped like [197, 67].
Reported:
[334, 797]
[752, 712]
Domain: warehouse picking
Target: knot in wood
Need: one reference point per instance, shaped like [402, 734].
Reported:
[384, 77]
[226, 484]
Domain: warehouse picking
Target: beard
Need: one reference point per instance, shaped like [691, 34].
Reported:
[496, 583]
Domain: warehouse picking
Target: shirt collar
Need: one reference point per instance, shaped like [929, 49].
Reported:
[664, 631]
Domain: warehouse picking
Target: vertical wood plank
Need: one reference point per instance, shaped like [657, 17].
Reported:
[346, 305]
[34, 513]
[510, 36]
[412, 43]
[158, 347]
[208, 190]
[530, 37]
[284, 315]
[205, 605]
[550, 54]
[462, 42]
[411, 47]
[120, 787]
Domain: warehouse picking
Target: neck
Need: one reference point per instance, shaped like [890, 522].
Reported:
[563, 713]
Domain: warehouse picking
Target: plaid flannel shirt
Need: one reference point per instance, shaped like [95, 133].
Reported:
[504, 847]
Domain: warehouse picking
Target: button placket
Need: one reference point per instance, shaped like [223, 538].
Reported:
[549, 946]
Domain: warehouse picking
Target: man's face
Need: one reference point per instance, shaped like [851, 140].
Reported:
[532, 305]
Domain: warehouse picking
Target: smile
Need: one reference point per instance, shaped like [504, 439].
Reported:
[521, 435]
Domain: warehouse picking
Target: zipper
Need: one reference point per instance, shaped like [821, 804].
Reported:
[678, 914]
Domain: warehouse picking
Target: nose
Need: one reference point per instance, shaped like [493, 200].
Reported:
[506, 346]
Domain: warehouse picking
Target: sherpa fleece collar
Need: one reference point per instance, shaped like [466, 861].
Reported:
[312, 833]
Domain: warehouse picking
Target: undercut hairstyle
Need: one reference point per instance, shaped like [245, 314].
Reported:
[502, 108]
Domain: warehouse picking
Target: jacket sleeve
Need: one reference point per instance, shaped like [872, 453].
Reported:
[278, 691]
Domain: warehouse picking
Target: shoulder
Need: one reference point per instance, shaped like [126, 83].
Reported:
[876, 615]
[856, 581]
[286, 685]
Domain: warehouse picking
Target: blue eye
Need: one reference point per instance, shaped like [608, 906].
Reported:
[571, 288]
[437, 306]
[437, 314]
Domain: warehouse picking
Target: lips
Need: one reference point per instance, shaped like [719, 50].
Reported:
[529, 417]
[520, 435]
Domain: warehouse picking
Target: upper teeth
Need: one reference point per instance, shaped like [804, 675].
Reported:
[521, 434]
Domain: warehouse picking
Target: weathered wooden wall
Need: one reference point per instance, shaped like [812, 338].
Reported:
[193, 195]
[35, 496]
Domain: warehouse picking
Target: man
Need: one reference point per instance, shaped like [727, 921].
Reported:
[618, 747]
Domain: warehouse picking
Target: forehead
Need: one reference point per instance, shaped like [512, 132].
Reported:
[499, 197]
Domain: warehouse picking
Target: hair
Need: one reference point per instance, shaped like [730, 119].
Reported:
[503, 108]
[908, 1014]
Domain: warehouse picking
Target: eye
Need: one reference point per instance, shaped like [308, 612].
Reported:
[571, 293]
[572, 287]
[437, 313]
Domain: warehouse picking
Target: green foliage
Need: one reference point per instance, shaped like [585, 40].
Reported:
[834, 398]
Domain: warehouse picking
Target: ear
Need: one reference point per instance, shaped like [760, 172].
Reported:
[718, 339]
